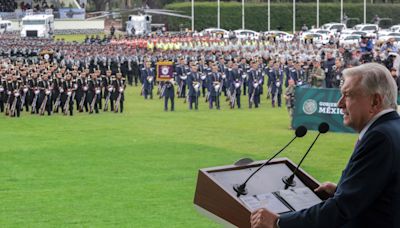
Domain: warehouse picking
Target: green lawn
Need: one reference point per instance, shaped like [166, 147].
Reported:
[139, 168]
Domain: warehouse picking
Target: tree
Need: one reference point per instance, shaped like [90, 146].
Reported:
[99, 5]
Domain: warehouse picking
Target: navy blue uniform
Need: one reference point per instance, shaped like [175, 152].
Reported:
[193, 81]
[148, 77]
[276, 79]
[168, 92]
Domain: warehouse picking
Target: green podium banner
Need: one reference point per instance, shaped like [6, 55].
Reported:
[316, 105]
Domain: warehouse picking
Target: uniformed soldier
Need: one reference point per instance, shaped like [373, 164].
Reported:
[193, 81]
[255, 80]
[67, 96]
[118, 94]
[94, 93]
[44, 102]
[108, 89]
[57, 90]
[215, 87]
[3, 92]
[317, 75]
[148, 77]
[81, 93]
[34, 91]
[235, 84]
[244, 69]
[168, 93]
[15, 96]
[276, 80]
[181, 73]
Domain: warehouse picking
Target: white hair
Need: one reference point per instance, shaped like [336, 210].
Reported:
[375, 78]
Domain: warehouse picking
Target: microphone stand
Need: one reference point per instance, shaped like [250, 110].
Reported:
[241, 189]
[289, 181]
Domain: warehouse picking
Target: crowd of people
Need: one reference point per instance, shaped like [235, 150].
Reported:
[8, 5]
[37, 5]
[47, 76]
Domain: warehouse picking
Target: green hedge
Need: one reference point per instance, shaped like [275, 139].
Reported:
[281, 14]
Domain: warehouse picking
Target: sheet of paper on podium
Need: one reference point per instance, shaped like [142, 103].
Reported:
[299, 198]
[267, 200]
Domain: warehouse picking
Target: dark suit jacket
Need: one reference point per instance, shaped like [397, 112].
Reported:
[368, 193]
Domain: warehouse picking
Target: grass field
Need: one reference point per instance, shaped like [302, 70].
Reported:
[139, 168]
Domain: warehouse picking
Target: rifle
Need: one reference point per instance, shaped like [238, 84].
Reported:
[14, 104]
[66, 105]
[110, 89]
[36, 92]
[91, 107]
[117, 102]
[163, 91]
[58, 100]
[42, 108]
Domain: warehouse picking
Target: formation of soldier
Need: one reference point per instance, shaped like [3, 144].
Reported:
[47, 76]
[46, 88]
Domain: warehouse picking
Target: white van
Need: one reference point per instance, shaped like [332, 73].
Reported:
[41, 25]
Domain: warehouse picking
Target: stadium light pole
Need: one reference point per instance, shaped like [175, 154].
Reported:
[218, 14]
[341, 11]
[269, 15]
[192, 15]
[317, 13]
[294, 16]
[242, 14]
[365, 11]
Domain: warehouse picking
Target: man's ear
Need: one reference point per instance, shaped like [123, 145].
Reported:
[377, 100]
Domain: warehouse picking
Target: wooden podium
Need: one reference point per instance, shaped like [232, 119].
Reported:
[216, 198]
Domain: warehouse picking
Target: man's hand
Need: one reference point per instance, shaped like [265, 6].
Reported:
[327, 187]
[263, 218]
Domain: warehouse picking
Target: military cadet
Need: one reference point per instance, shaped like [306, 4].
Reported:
[148, 77]
[268, 70]
[3, 91]
[276, 85]
[255, 80]
[14, 102]
[244, 69]
[93, 94]
[57, 90]
[81, 93]
[193, 81]
[118, 94]
[235, 84]
[297, 74]
[203, 71]
[287, 68]
[181, 73]
[108, 89]
[135, 69]
[168, 93]
[128, 65]
[224, 71]
[215, 86]
[44, 102]
[67, 96]
[24, 91]
[7, 93]
[34, 91]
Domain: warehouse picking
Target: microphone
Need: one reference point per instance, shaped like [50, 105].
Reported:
[241, 189]
[289, 181]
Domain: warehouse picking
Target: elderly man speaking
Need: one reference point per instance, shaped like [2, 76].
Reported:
[367, 194]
